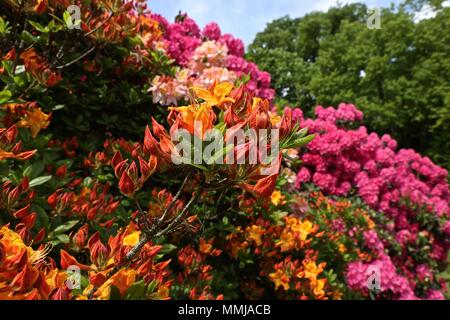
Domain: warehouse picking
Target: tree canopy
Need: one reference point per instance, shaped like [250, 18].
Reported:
[398, 74]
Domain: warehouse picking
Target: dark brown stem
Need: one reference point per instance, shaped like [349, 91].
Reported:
[181, 215]
[174, 200]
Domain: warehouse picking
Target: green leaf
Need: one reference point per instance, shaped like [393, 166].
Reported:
[114, 293]
[152, 286]
[167, 248]
[34, 170]
[68, 19]
[38, 26]
[5, 95]
[39, 180]
[58, 107]
[65, 227]
[136, 291]
[63, 238]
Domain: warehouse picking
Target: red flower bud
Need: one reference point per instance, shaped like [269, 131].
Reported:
[81, 236]
[126, 185]
[158, 130]
[20, 214]
[286, 123]
[61, 171]
[116, 159]
[52, 199]
[120, 168]
[29, 220]
[133, 171]
[99, 252]
[40, 236]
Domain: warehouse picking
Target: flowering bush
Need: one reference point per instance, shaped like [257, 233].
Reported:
[204, 57]
[401, 185]
[98, 200]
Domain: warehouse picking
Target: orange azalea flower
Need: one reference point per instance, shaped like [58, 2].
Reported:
[280, 279]
[36, 120]
[317, 287]
[10, 149]
[205, 247]
[20, 277]
[217, 95]
[40, 6]
[254, 233]
[39, 68]
[123, 279]
[303, 228]
[311, 270]
[195, 115]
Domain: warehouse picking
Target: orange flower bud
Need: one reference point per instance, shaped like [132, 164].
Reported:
[29, 220]
[20, 214]
[99, 252]
[126, 185]
[61, 171]
[286, 123]
[158, 130]
[81, 236]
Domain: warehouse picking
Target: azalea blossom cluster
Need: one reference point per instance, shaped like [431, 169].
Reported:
[239, 110]
[204, 57]
[404, 186]
[29, 274]
[290, 251]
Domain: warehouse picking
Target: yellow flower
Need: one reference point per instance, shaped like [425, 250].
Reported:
[123, 279]
[36, 120]
[276, 197]
[254, 233]
[317, 287]
[286, 242]
[311, 270]
[132, 239]
[303, 228]
[163, 292]
[217, 95]
[342, 248]
[205, 247]
[280, 279]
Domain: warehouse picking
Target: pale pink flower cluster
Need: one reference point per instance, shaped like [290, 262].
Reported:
[208, 56]
[206, 65]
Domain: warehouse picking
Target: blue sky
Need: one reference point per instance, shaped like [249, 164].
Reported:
[244, 18]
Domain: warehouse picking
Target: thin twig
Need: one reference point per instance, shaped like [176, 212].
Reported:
[174, 200]
[76, 59]
[183, 212]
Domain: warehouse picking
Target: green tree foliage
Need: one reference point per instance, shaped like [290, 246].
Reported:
[398, 75]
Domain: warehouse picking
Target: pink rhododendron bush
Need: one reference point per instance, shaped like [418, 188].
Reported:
[407, 190]
[92, 184]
